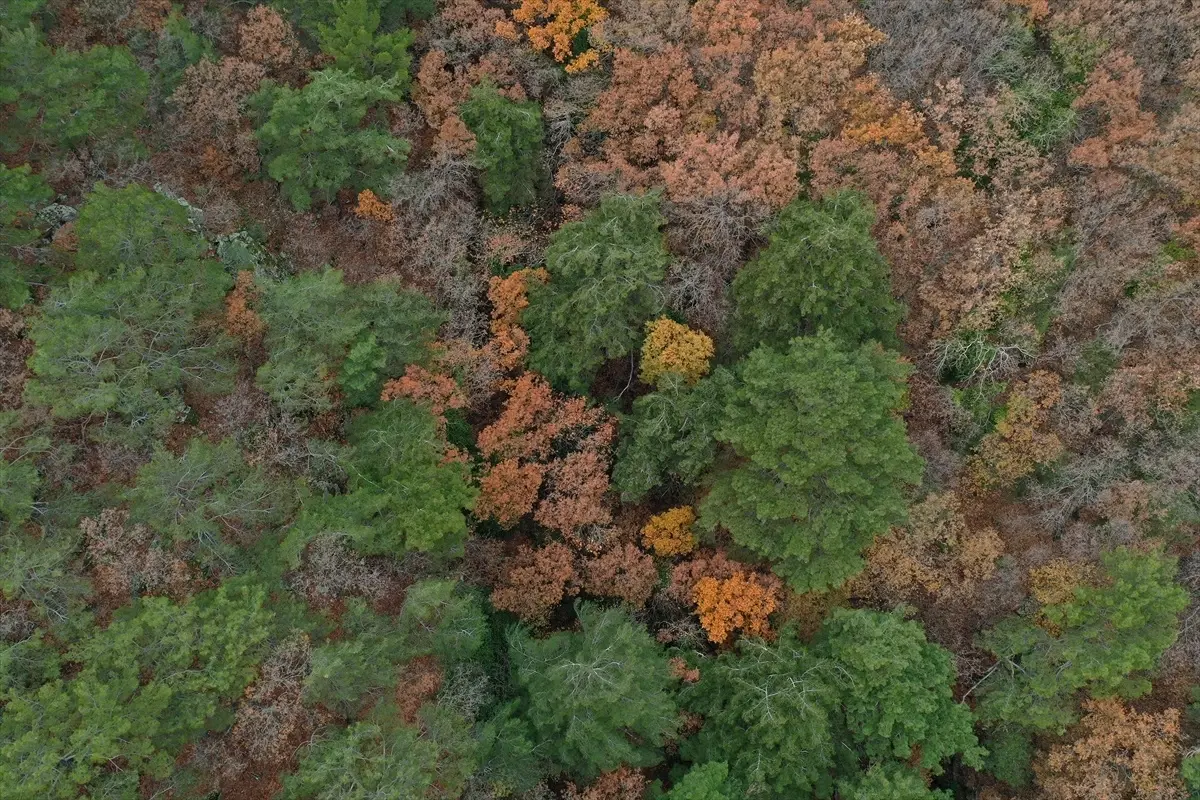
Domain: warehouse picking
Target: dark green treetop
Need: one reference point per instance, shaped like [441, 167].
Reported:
[314, 141]
[598, 697]
[508, 146]
[821, 270]
[605, 275]
[822, 458]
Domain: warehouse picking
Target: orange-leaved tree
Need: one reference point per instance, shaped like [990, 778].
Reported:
[1115, 752]
[554, 26]
[670, 533]
[728, 596]
[569, 446]
[369, 206]
[622, 571]
[742, 603]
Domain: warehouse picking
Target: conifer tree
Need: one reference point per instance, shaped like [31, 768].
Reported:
[605, 275]
[508, 146]
[820, 270]
[314, 141]
[599, 697]
[822, 461]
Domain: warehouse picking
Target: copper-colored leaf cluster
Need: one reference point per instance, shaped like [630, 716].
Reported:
[438, 392]
[213, 134]
[509, 491]
[418, 684]
[440, 88]
[1115, 752]
[1114, 90]
[936, 553]
[241, 320]
[266, 38]
[622, 571]
[509, 297]
[570, 442]
[624, 783]
[670, 533]
[535, 581]
[369, 206]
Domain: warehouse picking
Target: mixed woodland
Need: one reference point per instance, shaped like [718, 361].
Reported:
[600, 399]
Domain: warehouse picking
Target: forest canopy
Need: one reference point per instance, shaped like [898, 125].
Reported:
[600, 400]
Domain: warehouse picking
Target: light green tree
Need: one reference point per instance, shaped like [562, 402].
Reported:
[702, 782]
[135, 228]
[822, 461]
[767, 715]
[366, 761]
[311, 14]
[22, 194]
[179, 46]
[508, 146]
[150, 682]
[438, 619]
[820, 270]
[63, 98]
[121, 338]
[1107, 639]
[355, 44]
[889, 782]
[792, 720]
[598, 697]
[317, 139]
[402, 493]
[605, 281]
[198, 498]
[896, 698]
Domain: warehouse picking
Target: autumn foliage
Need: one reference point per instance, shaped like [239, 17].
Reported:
[1022, 440]
[741, 603]
[509, 297]
[1115, 752]
[554, 25]
[729, 597]
[674, 348]
[670, 533]
[600, 399]
[535, 581]
[371, 207]
[936, 552]
[541, 434]
[241, 320]
[624, 572]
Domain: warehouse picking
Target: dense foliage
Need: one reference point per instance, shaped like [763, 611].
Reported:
[820, 270]
[605, 272]
[600, 400]
[820, 462]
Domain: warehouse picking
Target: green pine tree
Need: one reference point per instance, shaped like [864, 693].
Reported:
[508, 146]
[822, 460]
[605, 281]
